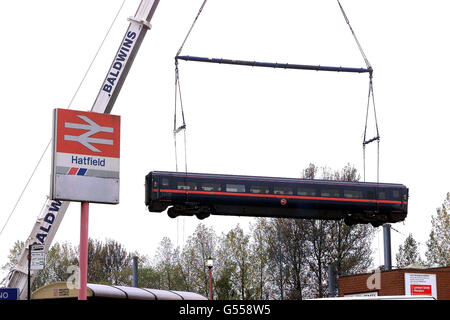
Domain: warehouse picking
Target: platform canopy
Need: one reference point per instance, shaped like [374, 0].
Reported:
[60, 290]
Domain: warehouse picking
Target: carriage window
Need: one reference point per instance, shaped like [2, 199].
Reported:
[370, 195]
[165, 182]
[382, 195]
[282, 190]
[396, 194]
[182, 185]
[353, 194]
[211, 187]
[329, 193]
[235, 188]
[259, 189]
[306, 192]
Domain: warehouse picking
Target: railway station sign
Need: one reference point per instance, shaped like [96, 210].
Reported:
[422, 284]
[86, 156]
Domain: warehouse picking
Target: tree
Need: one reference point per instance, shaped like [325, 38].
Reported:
[188, 268]
[294, 237]
[317, 257]
[236, 251]
[223, 285]
[315, 232]
[259, 248]
[169, 266]
[349, 247]
[276, 264]
[199, 247]
[149, 277]
[97, 271]
[164, 263]
[408, 253]
[13, 256]
[438, 244]
[57, 261]
[225, 270]
[117, 263]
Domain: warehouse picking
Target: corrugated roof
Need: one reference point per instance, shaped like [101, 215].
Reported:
[60, 290]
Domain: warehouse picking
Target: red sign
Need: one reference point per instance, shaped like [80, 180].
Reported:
[88, 133]
[420, 290]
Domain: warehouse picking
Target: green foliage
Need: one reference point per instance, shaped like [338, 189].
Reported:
[438, 253]
[235, 253]
[408, 253]
[199, 247]
[149, 277]
[223, 285]
[57, 260]
[108, 263]
[260, 259]
[13, 256]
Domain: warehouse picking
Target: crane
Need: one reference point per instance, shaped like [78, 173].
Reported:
[52, 213]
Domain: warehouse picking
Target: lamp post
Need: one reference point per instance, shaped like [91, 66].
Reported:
[210, 263]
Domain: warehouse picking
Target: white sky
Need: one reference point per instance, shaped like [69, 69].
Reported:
[240, 120]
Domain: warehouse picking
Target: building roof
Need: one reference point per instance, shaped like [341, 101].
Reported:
[415, 268]
[60, 290]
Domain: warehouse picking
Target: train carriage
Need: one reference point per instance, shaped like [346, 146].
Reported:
[205, 194]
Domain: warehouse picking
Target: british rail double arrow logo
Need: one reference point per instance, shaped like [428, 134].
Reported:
[85, 138]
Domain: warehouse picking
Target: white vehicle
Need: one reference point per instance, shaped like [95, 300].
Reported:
[53, 211]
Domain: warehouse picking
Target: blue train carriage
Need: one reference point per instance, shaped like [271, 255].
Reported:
[188, 194]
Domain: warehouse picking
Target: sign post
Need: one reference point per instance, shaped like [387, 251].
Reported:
[85, 167]
[84, 226]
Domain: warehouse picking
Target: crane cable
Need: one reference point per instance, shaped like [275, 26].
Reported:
[176, 130]
[377, 137]
[354, 36]
[190, 29]
[182, 127]
[370, 97]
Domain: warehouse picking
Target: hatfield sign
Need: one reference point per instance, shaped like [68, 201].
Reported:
[86, 156]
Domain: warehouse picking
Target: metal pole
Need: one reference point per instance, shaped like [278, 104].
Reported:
[387, 246]
[135, 272]
[29, 273]
[274, 65]
[331, 280]
[210, 283]
[82, 292]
